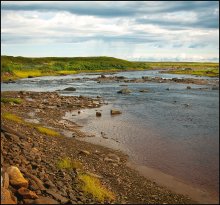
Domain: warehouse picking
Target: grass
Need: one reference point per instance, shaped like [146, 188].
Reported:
[27, 73]
[47, 131]
[12, 117]
[200, 72]
[11, 100]
[21, 67]
[67, 163]
[93, 186]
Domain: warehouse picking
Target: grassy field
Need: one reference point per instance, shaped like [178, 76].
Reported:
[22, 67]
[192, 68]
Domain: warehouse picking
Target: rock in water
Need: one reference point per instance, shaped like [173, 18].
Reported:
[16, 178]
[115, 112]
[70, 89]
[124, 91]
[98, 114]
[144, 90]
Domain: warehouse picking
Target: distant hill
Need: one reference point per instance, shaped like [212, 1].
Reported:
[10, 63]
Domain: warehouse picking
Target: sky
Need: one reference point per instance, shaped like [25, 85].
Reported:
[132, 30]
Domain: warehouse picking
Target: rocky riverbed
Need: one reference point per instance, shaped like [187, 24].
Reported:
[31, 157]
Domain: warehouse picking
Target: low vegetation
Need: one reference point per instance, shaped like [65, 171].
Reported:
[21, 67]
[201, 72]
[47, 131]
[12, 117]
[93, 186]
[41, 129]
[69, 164]
[11, 100]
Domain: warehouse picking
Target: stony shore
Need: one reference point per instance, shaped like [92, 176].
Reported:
[53, 168]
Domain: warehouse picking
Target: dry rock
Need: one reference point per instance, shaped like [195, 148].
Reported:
[16, 178]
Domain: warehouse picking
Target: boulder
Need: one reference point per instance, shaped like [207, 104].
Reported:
[70, 89]
[45, 200]
[27, 194]
[124, 91]
[188, 87]
[144, 90]
[6, 197]
[16, 178]
[5, 180]
[115, 112]
[98, 114]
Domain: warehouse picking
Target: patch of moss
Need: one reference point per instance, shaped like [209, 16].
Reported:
[12, 117]
[11, 100]
[93, 186]
[67, 163]
[47, 131]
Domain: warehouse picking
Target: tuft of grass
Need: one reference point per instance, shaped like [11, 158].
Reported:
[47, 131]
[67, 163]
[12, 117]
[93, 186]
[11, 100]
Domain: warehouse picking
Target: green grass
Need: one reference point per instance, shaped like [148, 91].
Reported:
[183, 65]
[93, 187]
[11, 100]
[21, 67]
[199, 72]
[47, 131]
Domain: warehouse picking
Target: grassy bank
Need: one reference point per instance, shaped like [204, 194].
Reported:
[211, 72]
[22, 67]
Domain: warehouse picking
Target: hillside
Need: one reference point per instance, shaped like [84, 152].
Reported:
[23, 67]
[11, 64]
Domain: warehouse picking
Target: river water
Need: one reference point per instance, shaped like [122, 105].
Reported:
[175, 131]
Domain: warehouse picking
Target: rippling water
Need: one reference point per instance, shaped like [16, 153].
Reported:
[175, 130]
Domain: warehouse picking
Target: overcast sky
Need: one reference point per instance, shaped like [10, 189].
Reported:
[154, 31]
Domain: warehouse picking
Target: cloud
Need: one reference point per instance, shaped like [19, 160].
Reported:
[136, 27]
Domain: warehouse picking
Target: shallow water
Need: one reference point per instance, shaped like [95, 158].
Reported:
[175, 131]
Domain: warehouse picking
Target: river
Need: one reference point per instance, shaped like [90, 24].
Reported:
[173, 130]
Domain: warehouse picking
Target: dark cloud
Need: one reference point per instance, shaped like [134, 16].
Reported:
[112, 9]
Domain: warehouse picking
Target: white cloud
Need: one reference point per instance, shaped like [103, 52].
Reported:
[138, 33]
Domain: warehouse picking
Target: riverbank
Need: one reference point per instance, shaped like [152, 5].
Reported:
[37, 152]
